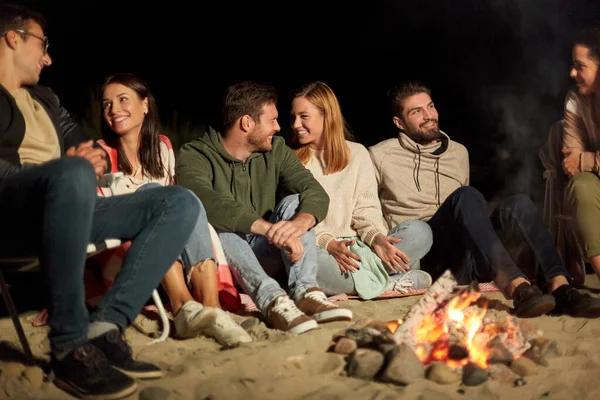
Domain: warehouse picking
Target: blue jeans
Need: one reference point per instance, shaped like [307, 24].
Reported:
[199, 245]
[416, 241]
[254, 261]
[53, 211]
[510, 243]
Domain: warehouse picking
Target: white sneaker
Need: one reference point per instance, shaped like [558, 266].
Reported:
[226, 331]
[414, 279]
[192, 319]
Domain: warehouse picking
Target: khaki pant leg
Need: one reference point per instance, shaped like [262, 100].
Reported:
[582, 202]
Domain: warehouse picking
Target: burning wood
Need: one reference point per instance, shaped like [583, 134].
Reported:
[449, 329]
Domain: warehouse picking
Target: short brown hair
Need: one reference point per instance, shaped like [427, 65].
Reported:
[246, 98]
[16, 16]
[401, 92]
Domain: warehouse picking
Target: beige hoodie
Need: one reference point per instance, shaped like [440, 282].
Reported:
[414, 180]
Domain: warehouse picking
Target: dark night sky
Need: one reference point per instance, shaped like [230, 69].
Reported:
[498, 68]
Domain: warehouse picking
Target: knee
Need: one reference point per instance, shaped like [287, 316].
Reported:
[419, 232]
[184, 202]
[583, 188]
[288, 206]
[467, 196]
[74, 176]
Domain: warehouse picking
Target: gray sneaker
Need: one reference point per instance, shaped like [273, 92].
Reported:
[414, 279]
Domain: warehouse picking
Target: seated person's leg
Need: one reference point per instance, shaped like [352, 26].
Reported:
[462, 223]
[525, 237]
[329, 276]
[51, 207]
[417, 239]
[302, 275]
[158, 222]
[582, 200]
[266, 293]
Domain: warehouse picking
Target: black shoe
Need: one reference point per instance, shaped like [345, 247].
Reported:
[85, 373]
[529, 302]
[118, 354]
[569, 301]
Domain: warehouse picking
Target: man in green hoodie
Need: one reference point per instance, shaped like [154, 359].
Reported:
[237, 176]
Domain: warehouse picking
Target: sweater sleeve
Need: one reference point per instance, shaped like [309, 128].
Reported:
[367, 218]
[194, 171]
[574, 134]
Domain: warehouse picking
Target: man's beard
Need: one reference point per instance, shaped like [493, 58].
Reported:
[423, 136]
[258, 143]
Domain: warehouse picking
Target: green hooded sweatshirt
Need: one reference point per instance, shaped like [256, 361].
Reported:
[236, 193]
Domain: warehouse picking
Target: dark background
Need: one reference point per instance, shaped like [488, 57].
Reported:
[498, 68]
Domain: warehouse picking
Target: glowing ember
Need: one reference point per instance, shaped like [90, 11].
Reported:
[458, 324]
[393, 325]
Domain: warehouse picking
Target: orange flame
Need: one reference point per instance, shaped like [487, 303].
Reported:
[433, 332]
[393, 325]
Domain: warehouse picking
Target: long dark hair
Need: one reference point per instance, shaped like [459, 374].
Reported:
[149, 150]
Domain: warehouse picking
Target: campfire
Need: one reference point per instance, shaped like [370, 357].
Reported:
[447, 336]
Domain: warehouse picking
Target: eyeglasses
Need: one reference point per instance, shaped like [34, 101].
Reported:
[44, 39]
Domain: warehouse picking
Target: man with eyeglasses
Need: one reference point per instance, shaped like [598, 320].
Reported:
[49, 208]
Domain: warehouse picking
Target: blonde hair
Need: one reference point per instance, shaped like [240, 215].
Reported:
[335, 128]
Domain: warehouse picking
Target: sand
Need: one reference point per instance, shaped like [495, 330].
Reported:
[278, 365]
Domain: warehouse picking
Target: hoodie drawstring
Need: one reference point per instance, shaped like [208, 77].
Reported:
[416, 171]
[437, 180]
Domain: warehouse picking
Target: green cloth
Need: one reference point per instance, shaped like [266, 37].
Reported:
[236, 193]
[372, 278]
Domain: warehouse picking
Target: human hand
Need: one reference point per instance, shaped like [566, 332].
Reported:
[342, 254]
[97, 157]
[281, 231]
[571, 164]
[294, 248]
[388, 253]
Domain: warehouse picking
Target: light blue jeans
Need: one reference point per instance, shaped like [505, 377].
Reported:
[417, 239]
[199, 246]
[254, 261]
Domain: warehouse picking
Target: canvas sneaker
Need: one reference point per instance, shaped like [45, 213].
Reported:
[316, 305]
[118, 355]
[86, 373]
[414, 279]
[192, 319]
[225, 330]
[283, 314]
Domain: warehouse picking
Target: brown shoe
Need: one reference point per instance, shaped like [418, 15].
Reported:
[529, 301]
[316, 305]
[283, 314]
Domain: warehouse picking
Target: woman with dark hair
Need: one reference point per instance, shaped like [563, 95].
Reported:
[581, 144]
[356, 253]
[134, 143]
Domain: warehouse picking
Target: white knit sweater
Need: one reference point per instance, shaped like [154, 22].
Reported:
[354, 208]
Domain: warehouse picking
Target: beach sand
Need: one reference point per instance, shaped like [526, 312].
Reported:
[280, 366]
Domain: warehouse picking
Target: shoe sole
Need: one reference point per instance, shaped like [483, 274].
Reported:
[141, 375]
[304, 327]
[76, 391]
[341, 314]
[537, 309]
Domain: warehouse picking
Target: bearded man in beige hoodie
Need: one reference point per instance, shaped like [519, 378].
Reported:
[423, 174]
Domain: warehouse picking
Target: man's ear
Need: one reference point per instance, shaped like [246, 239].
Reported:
[11, 39]
[398, 123]
[246, 123]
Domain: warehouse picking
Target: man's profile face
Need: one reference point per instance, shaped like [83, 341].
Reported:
[30, 54]
[584, 70]
[419, 119]
[260, 139]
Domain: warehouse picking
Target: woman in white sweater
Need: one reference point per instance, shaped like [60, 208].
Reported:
[356, 253]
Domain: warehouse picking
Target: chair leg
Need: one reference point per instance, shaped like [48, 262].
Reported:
[163, 317]
[16, 322]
